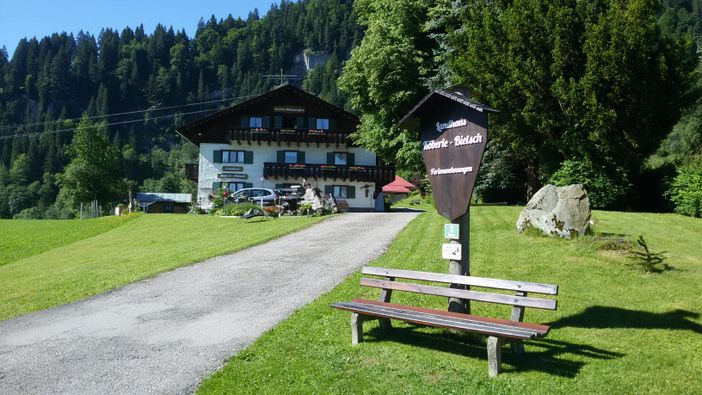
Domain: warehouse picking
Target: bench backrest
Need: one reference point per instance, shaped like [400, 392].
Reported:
[521, 288]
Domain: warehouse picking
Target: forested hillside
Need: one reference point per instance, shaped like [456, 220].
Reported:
[50, 82]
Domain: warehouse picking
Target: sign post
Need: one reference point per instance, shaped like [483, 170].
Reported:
[454, 133]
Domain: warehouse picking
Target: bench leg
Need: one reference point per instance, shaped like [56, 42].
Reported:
[356, 328]
[517, 347]
[494, 351]
[385, 323]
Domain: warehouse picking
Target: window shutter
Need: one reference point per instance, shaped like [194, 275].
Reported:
[266, 122]
[332, 124]
[351, 192]
[312, 123]
[248, 185]
[300, 123]
[281, 156]
[244, 121]
[330, 158]
[329, 189]
[351, 159]
[248, 157]
[300, 156]
[216, 186]
[277, 122]
[217, 156]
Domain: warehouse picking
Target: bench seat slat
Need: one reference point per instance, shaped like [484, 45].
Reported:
[438, 320]
[521, 286]
[462, 294]
[538, 328]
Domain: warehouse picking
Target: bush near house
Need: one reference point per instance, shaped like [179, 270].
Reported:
[686, 189]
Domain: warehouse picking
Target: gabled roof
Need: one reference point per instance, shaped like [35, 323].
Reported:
[285, 88]
[149, 197]
[395, 189]
[399, 181]
[458, 93]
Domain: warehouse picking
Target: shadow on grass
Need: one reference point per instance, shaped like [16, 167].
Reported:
[613, 317]
[551, 358]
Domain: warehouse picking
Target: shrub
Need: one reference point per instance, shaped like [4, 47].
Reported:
[603, 189]
[650, 262]
[233, 209]
[29, 213]
[685, 190]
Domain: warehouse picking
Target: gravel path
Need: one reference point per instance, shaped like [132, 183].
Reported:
[164, 334]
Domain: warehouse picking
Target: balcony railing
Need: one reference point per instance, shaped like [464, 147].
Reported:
[191, 171]
[380, 175]
[299, 136]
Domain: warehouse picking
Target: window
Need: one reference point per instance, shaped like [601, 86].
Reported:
[255, 122]
[258, 193]
[233, 157]
[323, 123]
[340, 191]
[233, 186]
[291, 157]
[167, 208]
[340, 158]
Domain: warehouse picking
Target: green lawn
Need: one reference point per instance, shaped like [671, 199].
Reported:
[139, 248]
[617, 329]
[22, 238]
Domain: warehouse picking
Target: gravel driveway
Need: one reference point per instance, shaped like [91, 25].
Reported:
[164, 334]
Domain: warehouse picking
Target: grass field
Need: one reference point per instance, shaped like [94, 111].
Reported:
[84, 258]
[22, 238]
[617, 329]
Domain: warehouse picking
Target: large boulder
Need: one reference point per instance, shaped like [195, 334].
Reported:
[557, 211]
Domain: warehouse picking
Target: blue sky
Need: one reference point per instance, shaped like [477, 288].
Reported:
[30, 18]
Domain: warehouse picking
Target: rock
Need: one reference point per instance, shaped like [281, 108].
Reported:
[557, 211]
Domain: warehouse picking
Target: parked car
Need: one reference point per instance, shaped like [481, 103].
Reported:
[255, 195]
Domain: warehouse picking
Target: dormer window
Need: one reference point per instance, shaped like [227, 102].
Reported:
[255, 122]
[323, 123]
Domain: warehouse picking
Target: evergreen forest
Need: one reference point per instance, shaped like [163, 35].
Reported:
[602, 93]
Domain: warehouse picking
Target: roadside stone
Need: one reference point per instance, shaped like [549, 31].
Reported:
[557, 211]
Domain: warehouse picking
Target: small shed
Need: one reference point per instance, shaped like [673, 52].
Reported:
[158, 202]
[398, 189]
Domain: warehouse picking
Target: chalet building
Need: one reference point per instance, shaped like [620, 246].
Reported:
[156, 202]
[279, 139]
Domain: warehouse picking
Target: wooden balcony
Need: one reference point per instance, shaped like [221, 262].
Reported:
[380, 175]
[290, 136]
[191, 171]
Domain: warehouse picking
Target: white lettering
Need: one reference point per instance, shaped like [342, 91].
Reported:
[467, 140]
[450, 124]
[435, 144]
[451, 170]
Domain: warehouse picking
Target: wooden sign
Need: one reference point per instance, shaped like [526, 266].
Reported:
[235, 176]
[289, 109]
[453, 129]
[452, 148]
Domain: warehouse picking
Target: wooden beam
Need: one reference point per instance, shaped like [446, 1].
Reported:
[508, 285]
[547, 304]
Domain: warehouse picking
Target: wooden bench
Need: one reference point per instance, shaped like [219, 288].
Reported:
[498, 331]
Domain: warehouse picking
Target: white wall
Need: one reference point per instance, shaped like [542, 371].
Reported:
[208, 170]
